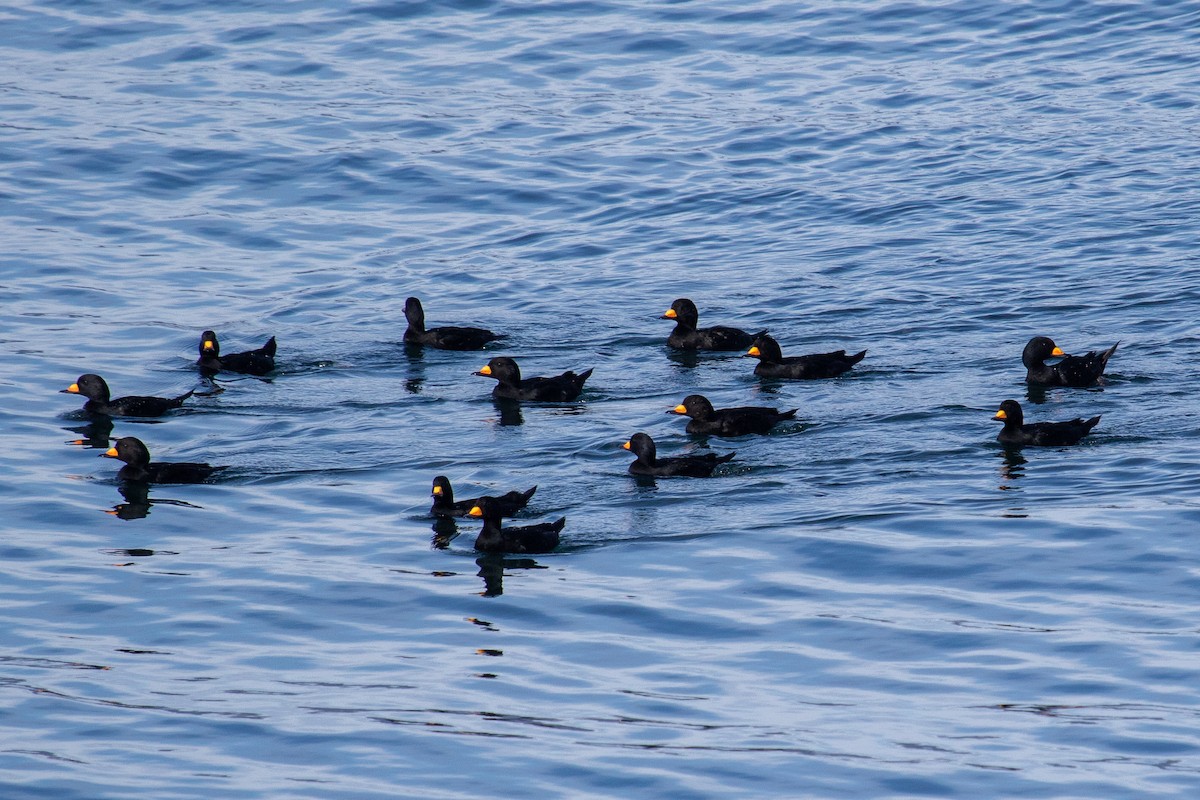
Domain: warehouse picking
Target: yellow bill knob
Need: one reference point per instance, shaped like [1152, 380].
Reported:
[626, 446]
[754, 351]
[1057, 351]
[486, 370]
[73, 388]
[437, 491]
[680, 409]
[208, 345]
[1000, 415]
[670, 314]
[475, 511]
[111, 452]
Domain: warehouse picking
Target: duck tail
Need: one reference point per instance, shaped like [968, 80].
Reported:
[269, 347]
[1091, 423]
[857, 357]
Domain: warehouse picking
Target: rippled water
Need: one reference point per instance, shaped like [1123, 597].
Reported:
[875, 602]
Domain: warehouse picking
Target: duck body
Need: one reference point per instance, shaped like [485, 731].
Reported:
[250, 362]
[511, 386]
[540, 538]
[687, 336]
[648, 462]
[99, 400]
[1016, 433]
[773, 364]
[444, 504]
[739, 421]
[138, 467]
[446, 337]
[1077, 371]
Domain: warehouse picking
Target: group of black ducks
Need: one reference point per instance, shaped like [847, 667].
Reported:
[139, 472]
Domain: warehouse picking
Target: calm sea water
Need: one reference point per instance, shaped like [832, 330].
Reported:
[874, 602]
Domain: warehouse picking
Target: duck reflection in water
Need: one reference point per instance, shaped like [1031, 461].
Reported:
[492, 567]
[510, 411]
[137, 501]
[1012, 470]
[95, 434]
[415, 381]
[445, 529]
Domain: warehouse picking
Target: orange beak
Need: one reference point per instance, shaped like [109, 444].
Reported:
[679, 409]
[1057, 351]
[111, 452]
[208, 345]
[1000, 415]
[626, 446]
[72, 389]
[486, 370]
[670, 314]
[475, 511]
[437, 491]
[754, 351]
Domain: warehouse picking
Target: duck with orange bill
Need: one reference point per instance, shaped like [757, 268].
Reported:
[444, 504]
[138, 466]
[540, 538]
[511, 386]
[687, 336]
[649, 463]
[100, 401]
[773, 364]
[1016, 433]
[738, 421]
[250, 362]
[1078, 371]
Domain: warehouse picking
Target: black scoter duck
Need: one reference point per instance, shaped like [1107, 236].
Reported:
[251, 362]
[1040, 434]
[687, 336]
[728, 421]
[772, 364]
[648, 462]
[446, 337]
[1076, 371]
[539, 538]
[138, 467]
[512, 386]
[95, 389]
[444, 505]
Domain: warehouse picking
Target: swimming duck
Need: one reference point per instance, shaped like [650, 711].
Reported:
[508, 504]
[95, 389]
[687, 336]
[251, 362]
[539, 538]
[729, 421]
[446, 337]
[138, 467]
[648, 462]
[1071, 371]
[1040, 434]
[558, 388]
[772, 364]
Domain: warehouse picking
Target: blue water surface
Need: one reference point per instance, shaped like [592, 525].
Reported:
[874, 601]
